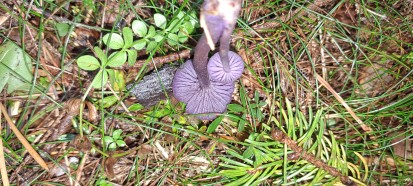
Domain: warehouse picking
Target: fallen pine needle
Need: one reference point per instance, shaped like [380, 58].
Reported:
[23, 140]
[3, 169]
[341, 100]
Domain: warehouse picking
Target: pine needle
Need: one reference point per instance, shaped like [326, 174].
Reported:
[23, 140]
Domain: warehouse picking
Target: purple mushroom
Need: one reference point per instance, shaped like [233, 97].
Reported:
[192, 83]
[213, 98]
[219, 72]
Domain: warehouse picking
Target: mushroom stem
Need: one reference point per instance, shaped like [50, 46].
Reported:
[224, 43]
[200, 62]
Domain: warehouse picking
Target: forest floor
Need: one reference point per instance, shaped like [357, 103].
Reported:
[326, 96]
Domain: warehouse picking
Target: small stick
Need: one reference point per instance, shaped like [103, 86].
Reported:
[80, 169]
[23, 140]
[158, 61]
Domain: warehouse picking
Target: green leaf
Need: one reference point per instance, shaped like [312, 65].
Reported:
[132, 56]
[151, 32]
[180, 15]
[15, 68]
[135, 107]
[62, 29]
[173, 39]
[108, 101]
[158, 113]
[182, 37]
[139, 44]
[127, 36]
[248, 152]
[236, 108]
[188, 27]
[117, 79]
[112, 146]
[101, 55]
[214, 125]
[160, 20]
[117, 59]
[88, 62]
[139, 28]
[241, 123]
[108, 139]
[100, 79]
[151, 46]
[113, 41]
[174, 26]
[158, 37]
[120, 143]
[116, 134]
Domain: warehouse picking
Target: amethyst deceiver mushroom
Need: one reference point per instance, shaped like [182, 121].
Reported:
[200, 99]
[192, 83]
[229, 73]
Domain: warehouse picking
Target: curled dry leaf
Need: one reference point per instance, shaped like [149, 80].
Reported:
[109, 163]
[72, 107]
[82, 143]
[374, 80]
[144, 150]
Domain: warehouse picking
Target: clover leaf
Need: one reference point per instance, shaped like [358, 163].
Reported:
[127, 36]
[88, 62]
[160, 20]
[139, 44]
[100, 79]
[117, 59]
[113, 41]
[139, 28]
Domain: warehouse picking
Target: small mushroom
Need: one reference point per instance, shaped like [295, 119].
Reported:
[192, 83]
[218, 72]
[200, 100]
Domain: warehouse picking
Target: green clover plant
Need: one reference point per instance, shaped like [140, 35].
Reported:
[122, 47]
[114, 141]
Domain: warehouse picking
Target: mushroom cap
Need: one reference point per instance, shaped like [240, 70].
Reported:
[217, 72]
[212, 99]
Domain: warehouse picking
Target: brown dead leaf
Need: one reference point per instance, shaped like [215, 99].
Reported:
[82, 143]
[402, 147]
[374, 80]
[346, 14]
[109, 163]
[144, 150]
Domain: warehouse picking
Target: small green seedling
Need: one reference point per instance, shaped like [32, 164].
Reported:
[114, 141]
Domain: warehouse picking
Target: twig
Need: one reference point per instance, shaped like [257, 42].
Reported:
[282, 138]
[68, 170]
[23, 140]
[80, 169]
[158, 61]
